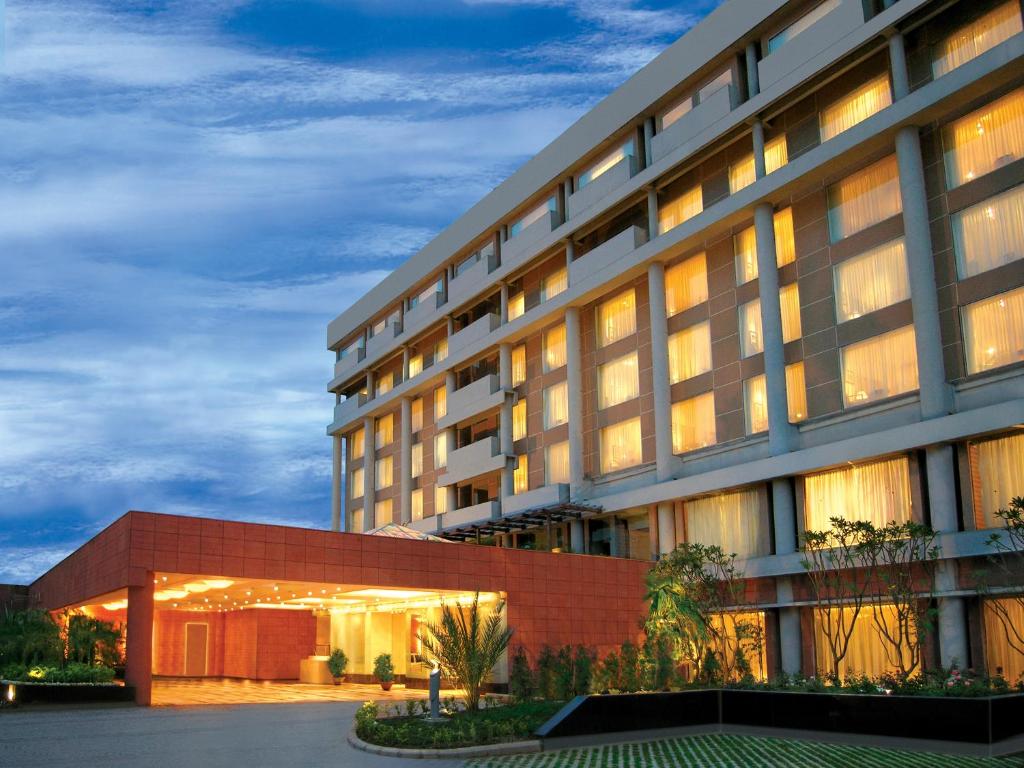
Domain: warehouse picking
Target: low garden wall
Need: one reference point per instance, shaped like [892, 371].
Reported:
[17, 693]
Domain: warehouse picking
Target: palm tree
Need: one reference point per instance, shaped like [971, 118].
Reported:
[467, 646]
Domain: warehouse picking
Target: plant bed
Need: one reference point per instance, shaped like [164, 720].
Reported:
[66, 693]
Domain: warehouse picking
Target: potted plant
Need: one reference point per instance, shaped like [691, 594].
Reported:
[384, 671]
[336, 664]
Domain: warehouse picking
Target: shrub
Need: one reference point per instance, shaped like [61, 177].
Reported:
[583, 669]
[564, 676]
[521, 683]
[383, 669]
[337, 663]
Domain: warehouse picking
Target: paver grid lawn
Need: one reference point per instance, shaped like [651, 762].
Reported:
[731, 751]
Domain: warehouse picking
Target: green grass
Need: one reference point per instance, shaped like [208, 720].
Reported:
[729, 751]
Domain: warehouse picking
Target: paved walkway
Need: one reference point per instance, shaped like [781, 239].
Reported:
[208, 692]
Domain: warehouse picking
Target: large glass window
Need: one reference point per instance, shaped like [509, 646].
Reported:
[618, 381]
[689, 352]
[732, 521]
[385, 383]
[984, 140]
[356, 488]
[516, 306]
[973, 39]
[440, 403]
[789, 301]
[879, 367]
[745, 246]
[417, 504]
[693, 423]
[1000, 655]
[428, 294]
[357, 443]
[440, 350]
[518, 365]
[1000, 476]
[415, 365]
[867, 197]
[554, 348]
[994, 331]
[417, 460]
[521, 475]
[440, 499]
[385, 434]
[355, 522]
[989, 234]
[751, 335]
[755, 398]
[865, 654]
[417, 414]
[556, 463]
[796, 392]
[384, 472]
[606, 163]
[616, 318]
[441, 450]
[554, 284]
[878, 493]
[686, 284]
[856, 107]
[519, 420]
[675, 212]
[741, 174]
[675, 112]
[776, 154]
[621, 446]
[800, 25]
[871, 281]
[383, 513]
[556, 405]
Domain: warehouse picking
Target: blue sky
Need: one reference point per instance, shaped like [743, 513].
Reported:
[191, 189]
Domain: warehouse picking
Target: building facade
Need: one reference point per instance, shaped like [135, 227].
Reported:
[776, 277]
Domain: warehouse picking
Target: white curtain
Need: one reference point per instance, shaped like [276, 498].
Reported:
[355, 523]
[867, 197]
[751, 335]
[857, 106]
[417, 504]
[796, 392]
[741, 174]
[554, 348]
[417, 460]
[871, 281]
[618, 381]
[441, 450]
[984, 140]
[994, 331]
[521, 475]
[417, 415]
[385, 430]
[556, 405]
[606, 163]
[440, 403]
[789, 299]
[686, 284]
[1000, 475]
[776, 154]
[384, 472]
[999, 654]
[866, 654]
[689, 352]
[415, 365]
[554, 284]
[756, 401]
[556, 463]
[975, 38]
[516, 306]
[744, 245]
[989, 234]
[733, 521]
[382, 513]
[880, 367]
[616, 319]
[518, 365]
[441, 350]
[440, 500]
[384, 383]
[356, 489]
[785, 248]
[621, 446]
[684, 207]
[519, 420]
[693, 423]
[357, 444]
[878, 492]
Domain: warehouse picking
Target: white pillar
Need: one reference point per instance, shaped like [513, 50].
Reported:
[757, 140]
[659, 371]
[898, 67]
[952, 622]
[505, 421]
[666, 528]
[574, 376]
[570, 253]
[784, 516]
[337, 473]
[405, 363]
[405, 460]
[369, 473]
[753, 79]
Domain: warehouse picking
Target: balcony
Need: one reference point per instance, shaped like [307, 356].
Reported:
[472, 333]
[348, 410]
[349, 363]
[470, 282]
[697, 120]
[607, 254]
[426, 525]
[823, 34]
[602, 186]
[482, 395]
[516, 249]
[420, 316]
[545, 496]
[478, 513]
[382, 341]
[476, 459]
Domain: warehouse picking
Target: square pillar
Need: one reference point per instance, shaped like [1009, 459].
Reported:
[138, 670]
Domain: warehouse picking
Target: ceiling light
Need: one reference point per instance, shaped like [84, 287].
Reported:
[197, 586]
[218, 583]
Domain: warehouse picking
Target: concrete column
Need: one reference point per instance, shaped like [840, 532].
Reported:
[898, 67]
[503, 234]
[450, 325]
[405, 476]
[652, 213]
[659, 371]
[369, 473]
[757, 139]
[753, 79]
[337, 472]
[576, 541]
[371, 380]
[570, 252]
[613, 526]
[779, 428]
[505, 420]
[952, 621]
[784, 516]
[138, 670]
[450, 491]
[931, 372]
[504, 303]
[666, 528]
[405, 363]
[942, 502]
[789, 628]
[648, 137]
[574, 377]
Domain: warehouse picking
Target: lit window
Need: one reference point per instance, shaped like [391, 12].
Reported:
[776, 154]
[441, 450]
[516, 306]
[987, 139]
[415, 365]
[1001, 655]
[556, 463]
[871, 281]
[673, 114]
[384, 472]
[554, 284]
[554, 348]
[519, 420]
[745, 246]
[879, 367]
[785, 246]
[518, 365]
[866, 654]
[417, 504]
[755, 400]
[356, 484]
[689, 352]
[751, 336]
[973, 39]
[741, 174]
[521, 475]
[686, 284]
[616, 318]
[989, 234]
[732, 521]
[796, 392]
[789, 301]
[440, 403]
[684, 207]
[556, 405]
[994, 331]
[873, 96]
[385, 434]
[878, 493]
[693, 423]
[382, 514]
[384, 383]
[606, 163]
[618, 381]
[867, 197]
[1000, 476]
[417, 460]
[355, 521]
[440, 500]
[416, 410]
[543, 210]
[440, 350]
[621, 446]
[357, 443]
[800, 25]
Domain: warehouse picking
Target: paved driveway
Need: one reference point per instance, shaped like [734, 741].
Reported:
[208, 691]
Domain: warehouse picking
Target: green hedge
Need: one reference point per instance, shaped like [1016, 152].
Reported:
[73, 672]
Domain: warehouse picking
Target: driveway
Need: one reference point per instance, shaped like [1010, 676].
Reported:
[210, 691]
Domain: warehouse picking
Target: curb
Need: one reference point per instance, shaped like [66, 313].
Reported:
[483, 750]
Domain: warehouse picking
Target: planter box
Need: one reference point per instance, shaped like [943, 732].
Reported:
[68, 693]
[589, 715]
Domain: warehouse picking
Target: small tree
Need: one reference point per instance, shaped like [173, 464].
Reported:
[337, 663]
[467, 646]
[522, 684]
[1006, 564]
[91, 640]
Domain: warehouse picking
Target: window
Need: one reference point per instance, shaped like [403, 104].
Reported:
[673, 114]
[989, 234]
[776, 154]
[417, 504]
[1000, 654]
[518, 365]
[385, 434]
[545, 209]
[994, 331]
[879, 367]
[865, 652]
[796, 392]
[745, 246]
[521, 475]
[415, 365]
[873, 96]
[440, 500]
[440, 350]
[356, 484]
[621, 446]
[689, 352]
[384, 472]
[519, 420]
[417, 460]
[606, 163]
[554, 284]
[357, 443]
[755, 398]
[800, 25]
[686, 285]
[878, 493]
[382, 514]
[554, 348]
[618, 381]
[427, 295]
[556, 405]
[785, 246]
[1000, 473]
[440, 403]
[516, 306]
[789, 299]
[616, 318]
[416, 410]
[385, 383]
[693, 423]
[732, 521]
[984, 140]
[484, 253]
[867, 197]
[871, 281]
[741, 174]
[556, 463]
[352, 348]
[751, 341]
[441, 450]
[675, 212]
[973, 39]
[355, 522]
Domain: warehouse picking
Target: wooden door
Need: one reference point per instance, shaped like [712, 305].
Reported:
[195, 649]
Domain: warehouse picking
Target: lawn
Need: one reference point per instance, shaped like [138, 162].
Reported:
[728, 751]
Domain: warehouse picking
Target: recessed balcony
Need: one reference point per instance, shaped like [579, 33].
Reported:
[545, 496]
[598, 189]
[473, 399]
[382, 340]
[608, 254]
[348, 410]
[472, 333]
[349, 362]
[469, 282]
[476, 459]
[518, 248]
[478, 513]
[420, 316]
[712, 109]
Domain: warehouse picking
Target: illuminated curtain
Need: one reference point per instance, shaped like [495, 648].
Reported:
[973, 39]
[519, 420]
[417, 504]
[355, 523]
[880, 367]
[789, 301]
[616, 318]
[357, 488]
[871, 281]
[796, 392]
[621, 446]
[785, 247]
[1000, 656]
[556, 405]
[741, 174]
[605, 164]
[382, 514]
[417, 460]
[751, 336]
[733, 521]
[385, 383]
[441, 350]
[415, 365]
[754, 656]
[989, 234]
[440, 500]
[984, 140]
[518, 365]
[866, 654]
[618, 381]
[776, 154]
[440, 403]
[755, 396]
[689, 352]
[684, 207]
[554, 348]
[554, 284]
[878, 493]
[384, 473]
[521, 475]
[357, 443]
[417, 414]
[855, 107]
[693, 423]
[516, 306]
[440, 450]
[385, 431]
[556, 463]
[1000, 475]
[744, 245]
[863, 199]
[800, 25]
[686, 285]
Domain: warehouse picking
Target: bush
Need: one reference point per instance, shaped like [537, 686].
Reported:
[583, 670]
[546, 664]
[521, 683]
[75, 672]
[337, 663]
[383, 669]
